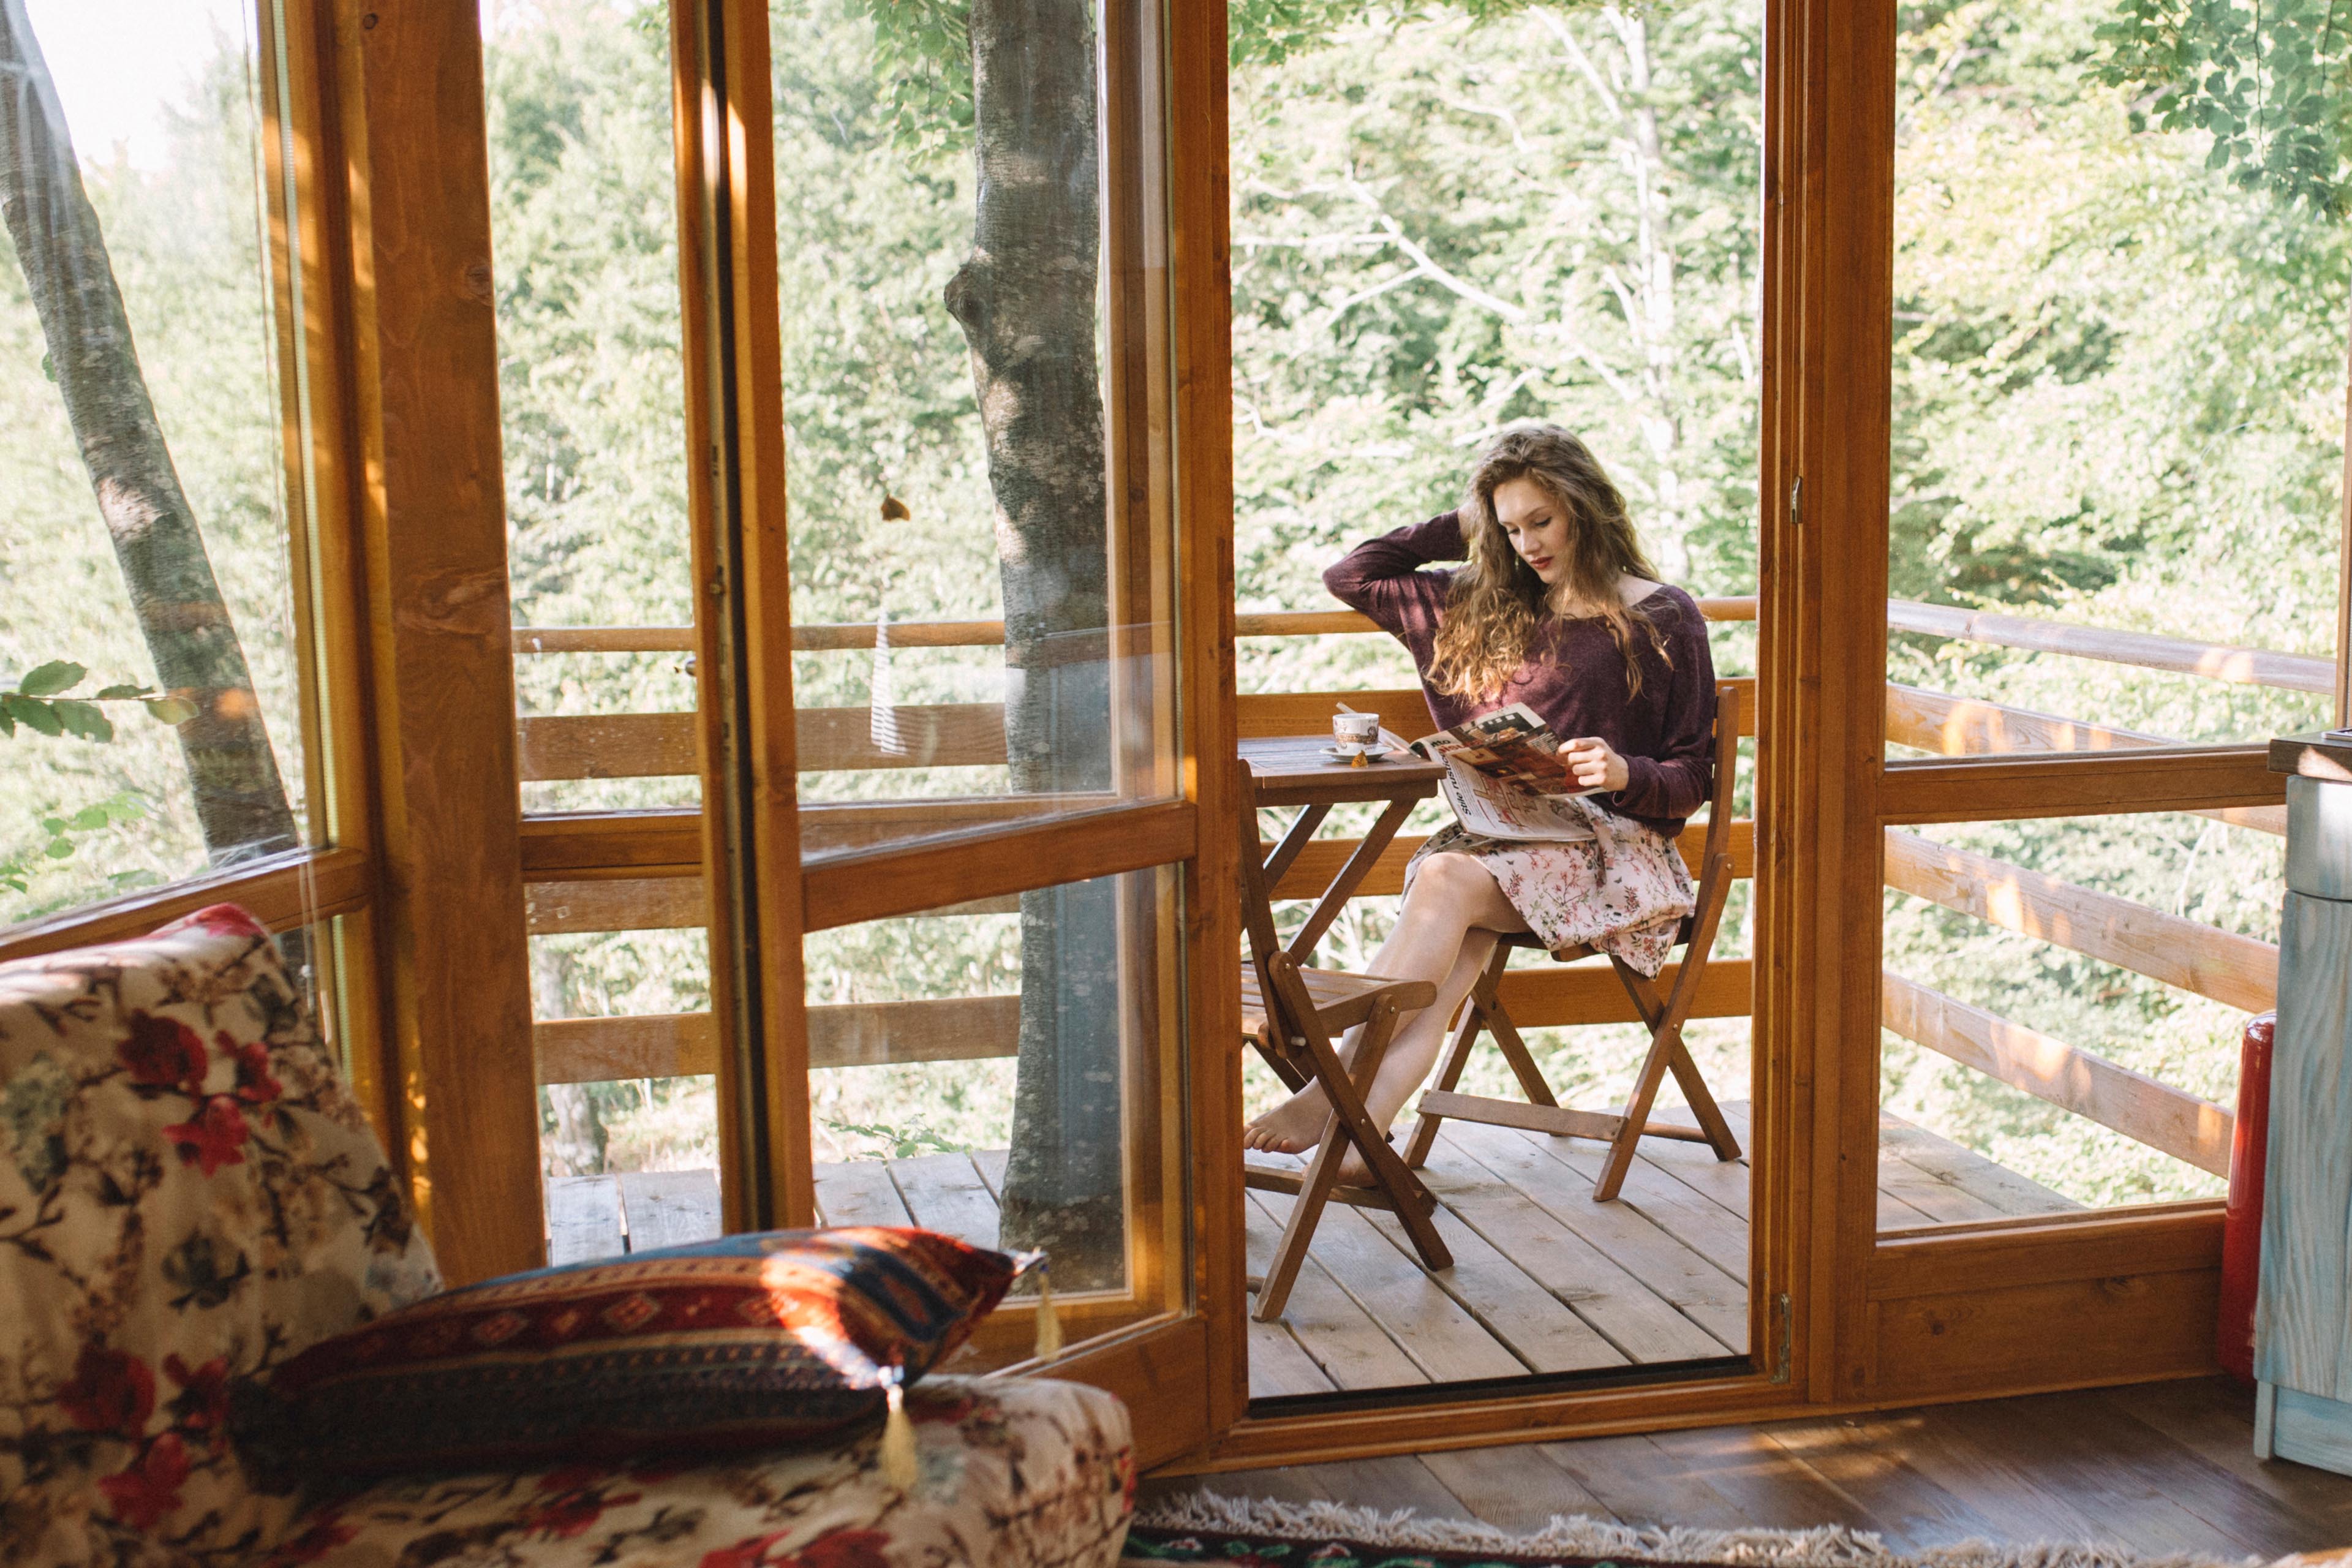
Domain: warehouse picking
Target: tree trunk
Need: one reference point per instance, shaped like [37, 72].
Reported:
[240, 800]
[1026, 299]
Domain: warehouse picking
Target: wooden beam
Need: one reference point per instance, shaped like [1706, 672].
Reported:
[602, 640]
[944, 734]
[607, 746]
[282, 891]
[1953, 726]
[662, 903]
[1565, 994]
[931, 735]
[840, 1034]
[2009, 1252]
[604, 1050]
[1959, 726]
[2212, 661]
[1403, 711]
[2080, 784]
[2235, 970]
[2171, 1120]
[666, 841]
[950, 1029]
[431, 500]
[615, 903]
[828, 826]
[848, 635]
[920, 878]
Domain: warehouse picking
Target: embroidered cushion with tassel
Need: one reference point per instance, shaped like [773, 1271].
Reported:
[745, 1342]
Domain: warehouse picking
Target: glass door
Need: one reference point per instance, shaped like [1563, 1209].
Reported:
[959, 758]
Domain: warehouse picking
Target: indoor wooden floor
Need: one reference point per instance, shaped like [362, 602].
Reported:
[2159, 1467]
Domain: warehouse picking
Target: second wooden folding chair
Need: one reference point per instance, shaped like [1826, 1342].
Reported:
[1294, 1016]
[1483, 1011]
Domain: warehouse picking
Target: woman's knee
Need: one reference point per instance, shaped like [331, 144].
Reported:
[1452, 883]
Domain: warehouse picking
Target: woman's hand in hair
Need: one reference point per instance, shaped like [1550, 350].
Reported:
[1596, 764]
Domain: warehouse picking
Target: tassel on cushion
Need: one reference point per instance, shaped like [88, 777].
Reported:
[899, 1441]
[1049, 1326]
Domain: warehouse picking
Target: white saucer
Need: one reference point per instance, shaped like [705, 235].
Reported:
[1370, 753]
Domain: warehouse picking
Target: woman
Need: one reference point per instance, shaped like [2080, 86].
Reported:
[1558, 609]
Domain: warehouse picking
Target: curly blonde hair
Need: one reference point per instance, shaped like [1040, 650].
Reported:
[1497, 603]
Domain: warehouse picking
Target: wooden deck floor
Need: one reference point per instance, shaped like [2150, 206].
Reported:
[1545, 1279]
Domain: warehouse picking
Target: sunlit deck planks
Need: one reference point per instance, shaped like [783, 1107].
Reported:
[1545, 1279]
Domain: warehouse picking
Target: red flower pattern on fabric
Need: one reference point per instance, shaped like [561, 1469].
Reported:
[110, 1391]
[751, 1551]
[213, 1138]
[226, 920]
[163, 1051]
[846, 1549]
[143, 1494]
[318, 1538]
[255, 1084]
[203, 1405]
[577, 1503]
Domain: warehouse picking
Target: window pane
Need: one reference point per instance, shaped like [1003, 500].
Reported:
[975, 396]
[1005, 1070]
[2063, 1004]
[627, 1062]
[142, 523]
[584, 220]
[2119, 384]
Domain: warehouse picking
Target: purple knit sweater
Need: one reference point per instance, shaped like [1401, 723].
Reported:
[1574, 676]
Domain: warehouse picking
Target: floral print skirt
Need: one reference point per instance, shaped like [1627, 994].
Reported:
[1624, 890]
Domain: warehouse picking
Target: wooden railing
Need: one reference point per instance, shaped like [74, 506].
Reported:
[2236, 971]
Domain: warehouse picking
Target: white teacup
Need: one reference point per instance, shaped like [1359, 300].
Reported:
[1355, 733]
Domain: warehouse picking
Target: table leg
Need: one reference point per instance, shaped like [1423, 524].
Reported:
[1351, 876]
[1294, 840]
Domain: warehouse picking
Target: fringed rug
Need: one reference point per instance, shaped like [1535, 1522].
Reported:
[1212, 1531]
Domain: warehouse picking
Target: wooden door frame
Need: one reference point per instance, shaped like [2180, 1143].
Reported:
[1843, 1319]
[735, 464]
[401, 134]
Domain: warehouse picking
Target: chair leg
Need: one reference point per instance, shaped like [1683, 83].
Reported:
[1410, 1200]
[1305, 1211]
[1704, 1110]
[1515, 1051]
[1473, 1017]
[1637, 1113]
[1351, 1126]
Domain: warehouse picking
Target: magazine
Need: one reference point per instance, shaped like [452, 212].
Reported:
[1504, 777]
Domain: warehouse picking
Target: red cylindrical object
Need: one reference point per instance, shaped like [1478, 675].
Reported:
[2242, 1231]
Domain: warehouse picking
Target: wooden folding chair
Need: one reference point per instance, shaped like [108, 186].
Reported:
[1292, 1015]
[1482, 1010]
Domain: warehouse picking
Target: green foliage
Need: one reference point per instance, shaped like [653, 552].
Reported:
[922, 55]
[900, 1143]
[37, 701]
[2266, 81]
[185, 247]
[61, 834]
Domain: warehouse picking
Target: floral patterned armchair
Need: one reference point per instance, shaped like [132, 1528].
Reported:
[189, 1196]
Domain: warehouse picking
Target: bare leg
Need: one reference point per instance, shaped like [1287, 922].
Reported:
[1445, 934]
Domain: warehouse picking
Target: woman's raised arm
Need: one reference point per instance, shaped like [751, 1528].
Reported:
[1383, 577]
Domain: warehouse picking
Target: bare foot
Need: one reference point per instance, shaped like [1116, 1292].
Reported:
[1294, 1127]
